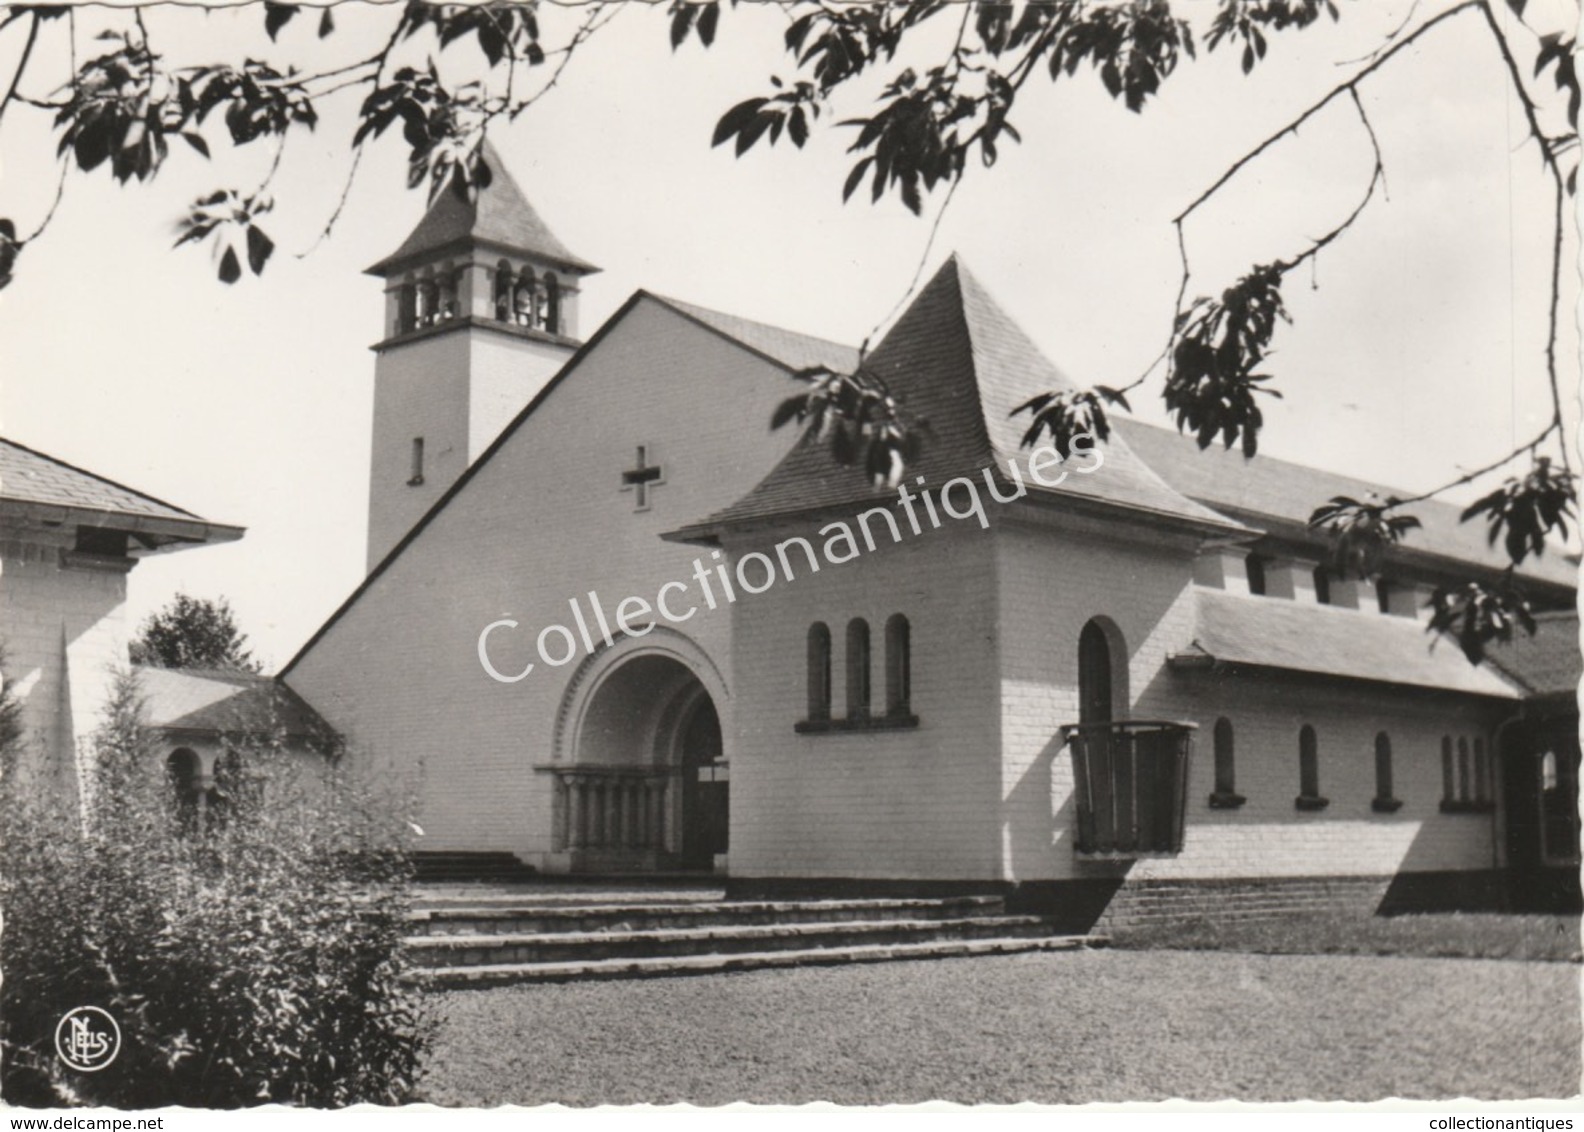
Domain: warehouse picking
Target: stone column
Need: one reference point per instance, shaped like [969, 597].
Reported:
[1223, 568]
[1290, 578]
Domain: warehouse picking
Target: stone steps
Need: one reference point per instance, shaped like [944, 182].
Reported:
[566, 947]
[628, 968]
[568, 914]
[534, 935]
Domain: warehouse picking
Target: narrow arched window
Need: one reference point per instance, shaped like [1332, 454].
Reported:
[428, 301]
[857, 668]
[1385, 800]
[1255, 565]
[1463, 769]
[1309, 770]
[502, 293]
[552, 318]
[523, 298]
[1448, 787]
[183, 770]
[447, 286]
[1383, 595]
[819, 671]
[1482, 789]
[406, 307]
[1322, 585]
[898, 664]
[1095, 702]
[1226, 795]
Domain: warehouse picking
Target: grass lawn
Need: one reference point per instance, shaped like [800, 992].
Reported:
[1064, 1027]
[1472, 936]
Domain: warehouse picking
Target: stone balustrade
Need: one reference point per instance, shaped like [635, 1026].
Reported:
[612, 807]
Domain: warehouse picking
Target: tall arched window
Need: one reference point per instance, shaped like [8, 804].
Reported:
[1481, 772]
[857, 668]
[502, 293]
[1095, 702]
[552, 318]
[1448, 782]
[428, 300]
[182, 769]
[1463, 769]
[1226, 796]
[447, 285]
[819, 672]
[899, 662]
[1385, 801]
[1309, 771]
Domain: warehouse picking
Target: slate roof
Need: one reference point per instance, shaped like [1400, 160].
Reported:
[177, 699]
[500, 215]
[1548, 663]
[1299, 637]
[31, 479]
[960, 363]
[788, 347]
[1265, 488]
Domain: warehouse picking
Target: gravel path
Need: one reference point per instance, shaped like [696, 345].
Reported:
[1060, 1028]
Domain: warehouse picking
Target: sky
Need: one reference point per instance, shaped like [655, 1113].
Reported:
[1416, 349]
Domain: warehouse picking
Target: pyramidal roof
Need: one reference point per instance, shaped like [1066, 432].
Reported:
[960, 363]
[500, 217]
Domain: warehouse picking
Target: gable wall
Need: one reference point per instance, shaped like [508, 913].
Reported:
[541, 522]
[900, 804]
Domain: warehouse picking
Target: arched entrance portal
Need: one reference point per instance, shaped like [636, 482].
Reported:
[646, 784]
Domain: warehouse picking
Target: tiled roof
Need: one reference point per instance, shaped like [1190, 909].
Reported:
[500, 214]
[1265, 488]
[791, 349]
[1548, 663]
[30, 479]
[1300, 637]
[958, 362]
[208, 700]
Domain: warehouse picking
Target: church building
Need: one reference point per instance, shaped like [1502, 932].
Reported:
[614, 624]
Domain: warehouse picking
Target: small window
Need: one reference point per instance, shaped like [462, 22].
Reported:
[1385, 802]
[1226, 796]
[857, 669]
[417, 475]
[898, 664]
[1463, 794]
[1448, 779]
[428, 301]
[819, 672]
[1309, 771]
[1322, 585]
[1383, 595]
[1256, 574]
[523, 300]
[1482, 789]
[406, 307]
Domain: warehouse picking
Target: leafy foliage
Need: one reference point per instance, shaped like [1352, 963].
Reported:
[1218, 344]
[1133, 47]
[253, 961]
[862, 421]
[690, 16]
[9, 248]
[1244, 21]
[1523, 512]
[502, 30]
[120, 110]
[11, 726]
[1361, 531]
[193, 633]
[234, 218]
[1475, 614]
[443, 129]
[1068, 415]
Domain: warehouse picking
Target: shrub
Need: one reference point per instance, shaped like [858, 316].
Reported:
[250, 957]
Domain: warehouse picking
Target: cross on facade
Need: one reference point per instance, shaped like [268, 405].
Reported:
[640, 479]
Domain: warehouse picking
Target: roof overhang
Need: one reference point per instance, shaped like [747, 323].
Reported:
[153, 533]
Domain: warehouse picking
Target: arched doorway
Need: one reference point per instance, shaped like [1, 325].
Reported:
[643, 783]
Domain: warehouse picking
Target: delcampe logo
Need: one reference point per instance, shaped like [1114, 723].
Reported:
[87, 1039]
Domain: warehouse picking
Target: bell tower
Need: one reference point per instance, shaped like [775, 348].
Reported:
[481, 310]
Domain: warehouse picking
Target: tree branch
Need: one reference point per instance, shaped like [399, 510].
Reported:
[22, 62]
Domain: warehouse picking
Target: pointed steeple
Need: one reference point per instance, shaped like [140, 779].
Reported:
[498, 219]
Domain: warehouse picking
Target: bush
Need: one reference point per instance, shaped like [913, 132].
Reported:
[256, 960]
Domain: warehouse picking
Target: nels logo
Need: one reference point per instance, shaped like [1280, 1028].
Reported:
[87, 1039]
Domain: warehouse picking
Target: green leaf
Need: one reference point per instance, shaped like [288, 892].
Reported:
[259, 247]
[230, 267]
